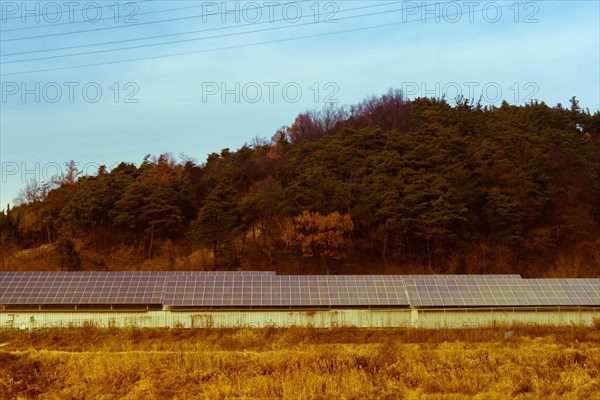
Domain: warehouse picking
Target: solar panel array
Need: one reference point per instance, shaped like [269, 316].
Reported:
[565, 291]
[467, 290]
[266, 289]
[286, 290]
[82, 288]
[500, 290]
[92, 287]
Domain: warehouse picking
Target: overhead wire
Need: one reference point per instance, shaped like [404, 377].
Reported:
[189, 40]
[211, 49]
[138, 24]
[180, 33]
[112, 4]
[52, 25]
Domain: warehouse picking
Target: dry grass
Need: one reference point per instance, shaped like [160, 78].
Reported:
[294, 363]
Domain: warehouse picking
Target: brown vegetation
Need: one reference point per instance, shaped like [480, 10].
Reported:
[531, 362]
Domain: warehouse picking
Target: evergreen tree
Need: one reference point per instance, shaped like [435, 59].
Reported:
[218, 220]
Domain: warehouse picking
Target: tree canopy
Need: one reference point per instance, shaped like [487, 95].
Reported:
[387, 183]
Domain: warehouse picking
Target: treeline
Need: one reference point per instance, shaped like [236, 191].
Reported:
[386, 185]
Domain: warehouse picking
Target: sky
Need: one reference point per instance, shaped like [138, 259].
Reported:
[100, 82]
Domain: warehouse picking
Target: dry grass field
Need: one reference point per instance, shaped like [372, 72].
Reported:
[344, 363]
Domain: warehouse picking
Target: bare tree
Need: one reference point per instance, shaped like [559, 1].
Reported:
[33, 191]
[388, 112]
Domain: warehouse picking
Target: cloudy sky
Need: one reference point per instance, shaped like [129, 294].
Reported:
[100, 83]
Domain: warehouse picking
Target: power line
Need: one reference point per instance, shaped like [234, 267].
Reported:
[180, 33]
[114, 27]
[81, 9]
[96, 20]
[204, 51]
[211, 50]
[137, 14]
[181, 41]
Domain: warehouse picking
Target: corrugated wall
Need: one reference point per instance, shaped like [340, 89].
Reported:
[317, 319]
[463, 318]
[374, 318]
[37, 319]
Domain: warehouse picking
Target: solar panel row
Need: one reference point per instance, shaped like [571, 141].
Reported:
[225, 288]
[114, 287]
[499, 291]
[277, 290]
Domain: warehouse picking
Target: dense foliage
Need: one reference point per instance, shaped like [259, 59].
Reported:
[401, 185]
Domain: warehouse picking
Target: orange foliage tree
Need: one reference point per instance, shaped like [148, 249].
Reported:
[320, 236]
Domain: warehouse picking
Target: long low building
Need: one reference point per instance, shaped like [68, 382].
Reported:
[202, 299]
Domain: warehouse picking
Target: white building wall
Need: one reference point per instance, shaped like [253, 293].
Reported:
[462, 318]
[38, 319]
[458, 318]
[216, 319]
[317, 319]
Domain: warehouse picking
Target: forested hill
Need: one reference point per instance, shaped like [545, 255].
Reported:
[388, 185]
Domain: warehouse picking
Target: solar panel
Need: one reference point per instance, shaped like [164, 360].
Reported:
[265, 288]
[114, 287]
[88, 288]
[285, 290]
[565, 292]
[500, 290]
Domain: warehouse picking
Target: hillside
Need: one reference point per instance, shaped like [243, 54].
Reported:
[388, 185]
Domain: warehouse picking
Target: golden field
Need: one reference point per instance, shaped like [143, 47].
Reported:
[523, 362]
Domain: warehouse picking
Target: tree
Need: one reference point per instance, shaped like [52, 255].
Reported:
[72, 173]
[324, 237]
[504, 218]
[218, 220]
[261, 209]
[162, 216]
[10, 226]
[314, 125]
[155, 203]
[34, 192]
[390, 112]
[68, 256]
